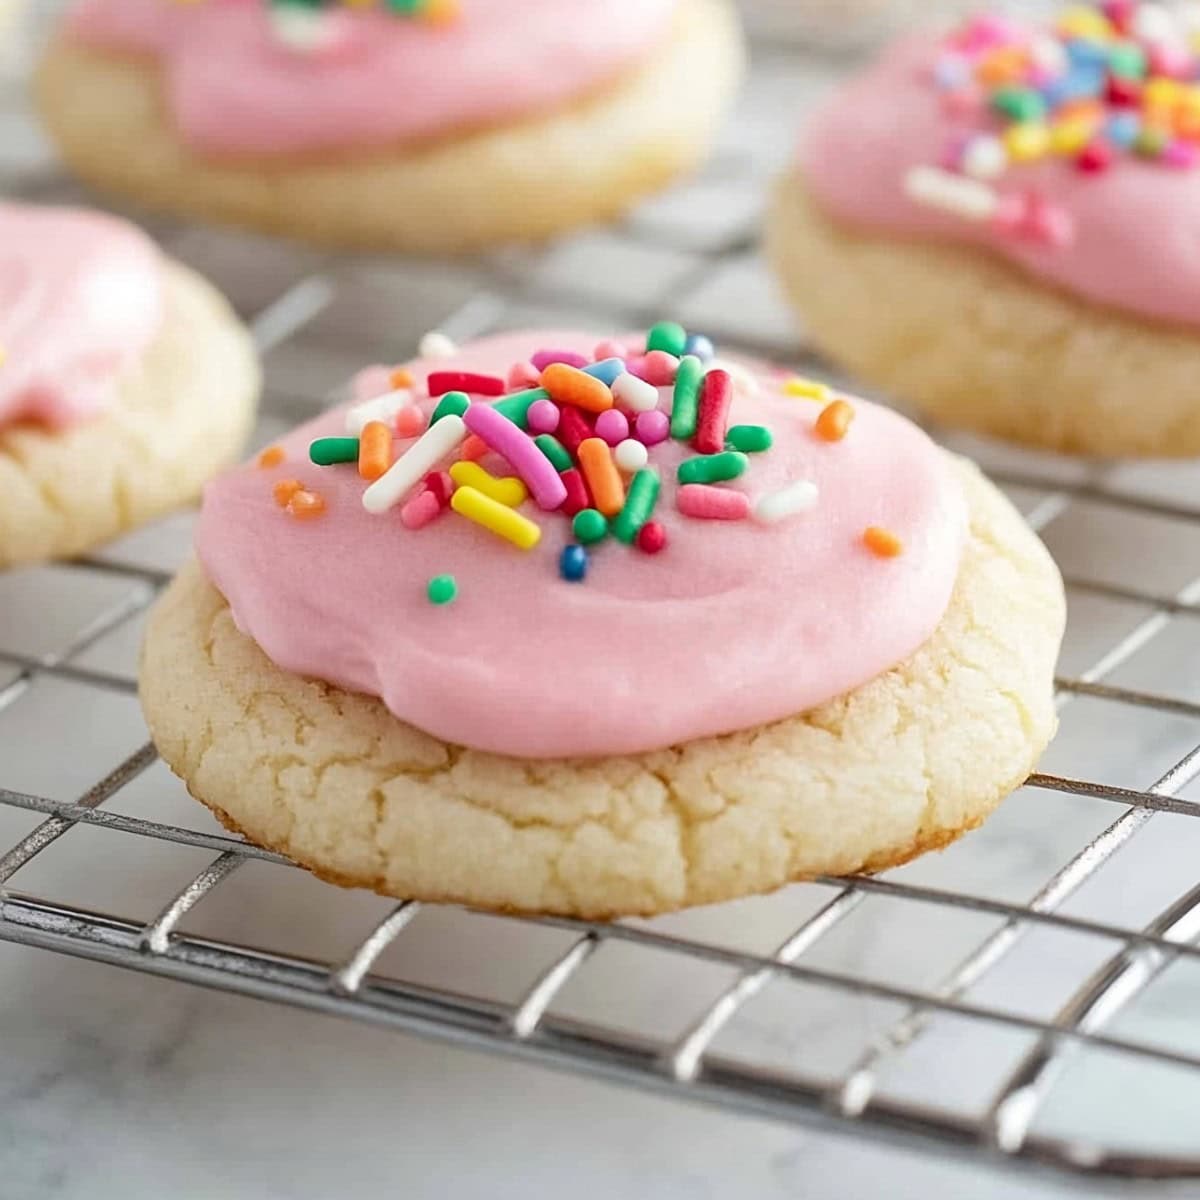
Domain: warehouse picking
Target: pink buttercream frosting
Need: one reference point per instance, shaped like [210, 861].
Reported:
[1136, 243]
[234, 88]
[733, 625]
[80, 302]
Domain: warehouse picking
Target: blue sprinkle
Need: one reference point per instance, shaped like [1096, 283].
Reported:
[1083, 52]
[573, 563]
[1123, 128]
[700, 346]
[606, 370]
[952, 72]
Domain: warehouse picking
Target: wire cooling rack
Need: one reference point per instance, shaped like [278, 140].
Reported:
[1024, 998]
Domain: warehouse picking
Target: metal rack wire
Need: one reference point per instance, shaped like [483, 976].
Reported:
[695, 248]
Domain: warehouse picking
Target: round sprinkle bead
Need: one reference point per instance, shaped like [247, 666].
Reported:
[590, 526]
[442, 589]
[612, 426]
[436, 344]
[984, 157]
[651, 538]
[652, 427]
[659, 368]
[668, 336]
[610, 348]
[633, 394]
[542, 416]
[631, 455]
[700, 346]
[410, 422]
[573, 563]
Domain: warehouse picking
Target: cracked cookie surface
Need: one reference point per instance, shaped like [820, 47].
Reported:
[904, 764]
[181, 415]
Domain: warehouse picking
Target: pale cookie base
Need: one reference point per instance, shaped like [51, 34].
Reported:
[902, 765]
[183, 414]
[525, 180]
[976, 343]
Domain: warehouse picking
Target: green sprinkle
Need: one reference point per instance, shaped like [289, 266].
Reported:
[451, 404]
[713, 468]
[589, 526]
[442, 589]
[668, 336]
[749, 439]
[1019, 103]
[327, 451]
[516, 406]
[1127, 60]
[554, 450]
[1150, 142]
[686, 404]
[639, 504]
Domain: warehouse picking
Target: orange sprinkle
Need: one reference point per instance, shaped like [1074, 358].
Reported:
[570, 385]
[1084, 109]
[285, 489]
[473, 449]
[882, 542]
[834, 420]
[272, 456]
[440, 12]
[603, 479]
[401, 378]
[1002, 66]
[305, 504]
[374, 450]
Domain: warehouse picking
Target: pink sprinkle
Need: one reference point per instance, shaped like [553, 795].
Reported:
[951, 156]
[543, 416]
[984, 32]
[609, 349]
[545, 358]
[410, 422]
[1049, 223]
[652, 427]
[420, 510]
[371, 382]
[1167, 58]
[523, 375]
[962, 103]
[710, 503]
[1180, 154]
[612, 426]
[660, 368]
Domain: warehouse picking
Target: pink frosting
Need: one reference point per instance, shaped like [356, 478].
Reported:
[1137, 225]
[80, 302]
[234, 88]
[733, 625]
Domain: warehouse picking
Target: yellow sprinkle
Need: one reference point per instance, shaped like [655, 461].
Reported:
[1082, 22]
[509, 491]
[1162, 92]
[492, 515]
[1027, 141]
[1070, 137]
[806, 389]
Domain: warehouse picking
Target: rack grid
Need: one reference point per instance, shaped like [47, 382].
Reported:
[1127, 536]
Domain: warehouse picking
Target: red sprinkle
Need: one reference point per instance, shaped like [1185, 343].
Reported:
[651, 538]
[441, 485]
[441, 382]
[715, 398]
[573, 428]
[1094, 157]
[577, 493]
[1126, 93]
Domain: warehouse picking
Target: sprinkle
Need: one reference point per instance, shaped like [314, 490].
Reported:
[442, 589]
[455, 403]
[436, 344]
[1097, 156]
[285, 489]
[589, 526]
[985, 157]
[272, 456]
[607, 370]
[573, 428]
[651, 538]
[554, 450]
[327, 451]
[609, 348]
[516, 406]
[522, 453]
[796, 498]
[612, 426]
[639, 505]
[472, 449]
[652, 427]
[699, 346]
[441, 485]
[546, 358]
[381, 408]
[603, 479]
[304, 504]
[1019, 103]
[508, 490]
[441, 382]
[882, 542]
[418, 512]
[659, 368]
[436, 443]
[716, 395]
[749, 439]
[634, 394]
[400, 377]
[523, 375]
[410, 422]
[1027, 143]
[834, 421]
[971, 199]
[578, 497]
[712, 503]
[806, 389]
[686, 402]
[542, 416]
[631, 455]
[668, 336]
[569, 385]
[713, 468]
[374, 450]
[573, 563]
[497, 518]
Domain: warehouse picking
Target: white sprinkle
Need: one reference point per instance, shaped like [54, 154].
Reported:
[985, 157]
[303, 30]
[1048, 53]
[968, 198]
[1153, 23]
[379, 408]
[417, 461]
[436, 344]
[796, 498]
[631, 455]
[634, 394]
